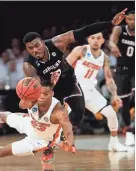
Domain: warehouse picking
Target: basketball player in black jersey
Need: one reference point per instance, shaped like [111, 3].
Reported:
[122, 45]
[46, 62]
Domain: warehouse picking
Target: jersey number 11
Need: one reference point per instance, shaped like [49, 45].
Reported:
[88, 73]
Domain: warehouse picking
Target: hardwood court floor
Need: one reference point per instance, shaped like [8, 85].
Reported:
[89, 157]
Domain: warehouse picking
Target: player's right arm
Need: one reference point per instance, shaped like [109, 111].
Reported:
[76, 54]
[4, 115]
[114, 38]
[30, 71]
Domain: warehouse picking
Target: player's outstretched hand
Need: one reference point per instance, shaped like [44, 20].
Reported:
[55, 77]
[115, 51]
[64, 145]
[119, 17]
[116, 102]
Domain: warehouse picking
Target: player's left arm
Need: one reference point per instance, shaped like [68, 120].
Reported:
[110, 81]
[108, 77]
[63, 40]
[77, 53]
[60, 116]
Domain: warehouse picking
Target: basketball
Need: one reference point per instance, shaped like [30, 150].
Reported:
[28, 88]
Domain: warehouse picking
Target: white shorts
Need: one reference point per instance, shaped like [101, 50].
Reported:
[94, 101]
[29, 144]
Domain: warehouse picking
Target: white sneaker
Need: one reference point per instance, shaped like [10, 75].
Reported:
[130, 140]
[118, 147]
[115, 145]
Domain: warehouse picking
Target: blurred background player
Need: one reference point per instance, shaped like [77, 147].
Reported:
[88, 60]
[43, 124]
[122, 45]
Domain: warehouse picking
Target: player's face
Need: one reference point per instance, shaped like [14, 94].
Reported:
[130, 20]
[96, 41]
[36, 48]
[46, 95]
[26, 104]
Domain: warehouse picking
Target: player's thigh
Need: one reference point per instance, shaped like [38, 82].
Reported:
[76, 100]
[28, 146]
[94, 101]
[76, 103]
[123, 84]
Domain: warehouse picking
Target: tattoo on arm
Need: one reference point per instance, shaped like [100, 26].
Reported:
[60, 116]
[108, 76]
[63, 40]
[114, 37]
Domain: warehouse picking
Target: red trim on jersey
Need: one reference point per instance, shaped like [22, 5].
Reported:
[74, 64]
[53, 143]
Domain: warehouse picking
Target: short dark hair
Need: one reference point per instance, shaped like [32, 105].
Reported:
[31, 36]
[131, 12]
[46, 83]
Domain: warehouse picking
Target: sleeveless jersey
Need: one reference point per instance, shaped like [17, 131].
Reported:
[126, 45]
[87, 68]
[42, 127]
[58, 63]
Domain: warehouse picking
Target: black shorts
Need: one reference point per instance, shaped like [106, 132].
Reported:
[125, 80]
[75, 99]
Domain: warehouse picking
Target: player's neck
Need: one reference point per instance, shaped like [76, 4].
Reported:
[96, 53]
[44, 109]
[132, 32]
[46, 55]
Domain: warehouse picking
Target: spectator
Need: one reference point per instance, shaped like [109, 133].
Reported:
[15, 45]
[53, 31]
[14, 75]
[4, 69]
[46, 34]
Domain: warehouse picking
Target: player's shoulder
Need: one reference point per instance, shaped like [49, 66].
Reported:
[80, 49]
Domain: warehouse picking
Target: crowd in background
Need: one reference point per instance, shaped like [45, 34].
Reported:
[11, 61]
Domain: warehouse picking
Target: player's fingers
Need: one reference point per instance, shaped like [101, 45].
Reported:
[59, 145]
[120, 54]
[124, 11]
[73, 149]
[121, 17]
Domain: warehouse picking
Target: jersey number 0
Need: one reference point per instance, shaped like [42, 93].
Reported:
[130, 51]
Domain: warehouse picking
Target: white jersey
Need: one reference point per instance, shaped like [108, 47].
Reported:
[87, 68]
[42, 128]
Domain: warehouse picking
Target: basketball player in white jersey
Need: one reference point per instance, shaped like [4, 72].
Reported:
[43, 124]
[87, 60]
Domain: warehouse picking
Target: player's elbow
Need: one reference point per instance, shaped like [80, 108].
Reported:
[108, 80]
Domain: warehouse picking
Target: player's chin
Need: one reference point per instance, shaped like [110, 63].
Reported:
[132, 27]
[41, 103]
[95, 47]
[39, 57]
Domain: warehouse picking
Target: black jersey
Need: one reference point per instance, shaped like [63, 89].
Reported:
[58, 63]
[126, 45]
